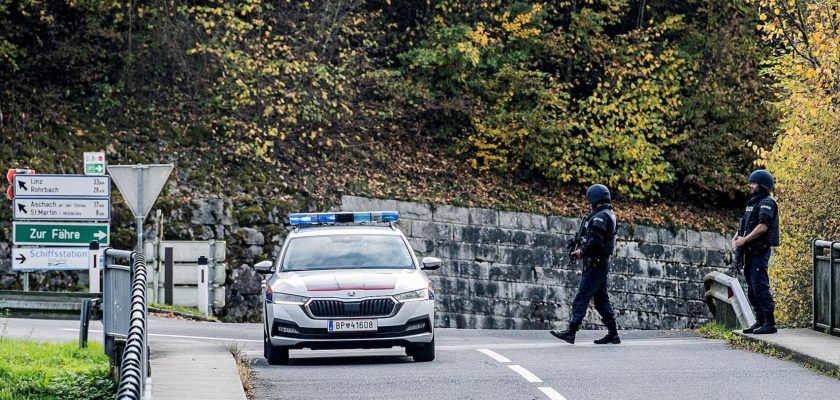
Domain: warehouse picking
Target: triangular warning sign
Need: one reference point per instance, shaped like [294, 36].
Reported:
[140, 184]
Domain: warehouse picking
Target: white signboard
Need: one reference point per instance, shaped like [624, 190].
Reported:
[50, 258]
[56, 209]
[62, 186]
[95, 163]
[140, 184]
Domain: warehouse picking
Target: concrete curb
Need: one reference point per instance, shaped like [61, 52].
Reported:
[795, 354]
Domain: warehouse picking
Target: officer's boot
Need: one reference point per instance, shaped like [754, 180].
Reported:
[768, 327]
[612, 335]
[568, 335]
[759, 322]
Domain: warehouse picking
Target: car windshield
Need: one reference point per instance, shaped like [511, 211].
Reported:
[346, 252]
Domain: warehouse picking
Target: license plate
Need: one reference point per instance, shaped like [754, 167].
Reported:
[352, 325]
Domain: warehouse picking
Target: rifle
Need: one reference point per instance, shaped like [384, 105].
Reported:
[577, 242]
[738, 260]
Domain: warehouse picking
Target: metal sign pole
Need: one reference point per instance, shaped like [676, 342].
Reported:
[26, 281]
[140, 218]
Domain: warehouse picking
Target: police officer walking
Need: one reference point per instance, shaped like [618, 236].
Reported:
[761, 226]
[599, 231]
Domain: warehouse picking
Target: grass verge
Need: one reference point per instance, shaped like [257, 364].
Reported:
[716, 330]
[244, 367]
[59, 371]
[180, 311]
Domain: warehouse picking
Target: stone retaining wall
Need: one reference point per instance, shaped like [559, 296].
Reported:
[509, 270]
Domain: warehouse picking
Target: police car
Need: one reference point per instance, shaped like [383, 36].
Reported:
[347, 280]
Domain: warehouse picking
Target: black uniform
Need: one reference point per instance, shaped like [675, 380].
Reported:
[761, 209]
[600, 227]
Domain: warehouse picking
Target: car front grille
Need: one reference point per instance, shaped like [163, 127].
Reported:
[354, 309]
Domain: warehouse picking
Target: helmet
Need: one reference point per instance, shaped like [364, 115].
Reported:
[763, 179]
[597, 193]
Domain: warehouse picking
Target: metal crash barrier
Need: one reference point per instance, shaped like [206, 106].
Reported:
[726, 300]
[826, 300]
[53, 305]
[124, 321]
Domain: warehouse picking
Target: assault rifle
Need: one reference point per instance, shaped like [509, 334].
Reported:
[576, 243]
[738, 260]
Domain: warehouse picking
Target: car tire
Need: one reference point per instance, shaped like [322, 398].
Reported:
[275, 355]
[424, 353]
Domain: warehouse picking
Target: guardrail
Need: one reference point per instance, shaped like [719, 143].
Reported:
[124, 321]
[826, 282]
[726, 300]
[53, 305]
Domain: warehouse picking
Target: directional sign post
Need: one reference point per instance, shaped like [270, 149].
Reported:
[60, 198]
[59, 209]
[50, 258]
[61, 186]
[60, 234]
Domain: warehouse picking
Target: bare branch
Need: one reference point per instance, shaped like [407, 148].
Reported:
[803, 27]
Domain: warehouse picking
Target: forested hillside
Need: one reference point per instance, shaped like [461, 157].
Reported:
[660, 100]
[518, 105]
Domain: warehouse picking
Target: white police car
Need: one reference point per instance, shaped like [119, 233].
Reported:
[347, 280]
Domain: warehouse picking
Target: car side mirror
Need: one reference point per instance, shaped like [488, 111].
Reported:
[432, 263]
[264, 267]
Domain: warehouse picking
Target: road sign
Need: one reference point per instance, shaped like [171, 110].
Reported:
[140, 185]
[50, 258]
[60, 233]
[10, 174]
[94, 163]
[57, 209]
[62, 186]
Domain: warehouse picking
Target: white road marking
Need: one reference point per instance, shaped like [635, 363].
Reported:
[181, 336]
[551, 393]
[528, 375]
[496, 356]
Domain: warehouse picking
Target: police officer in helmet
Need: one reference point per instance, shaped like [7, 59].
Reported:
[599, 232]
[761, 229]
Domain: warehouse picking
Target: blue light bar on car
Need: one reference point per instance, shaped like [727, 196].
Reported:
[343, 217]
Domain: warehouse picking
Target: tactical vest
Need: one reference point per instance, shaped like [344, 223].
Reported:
[612, 231]
[769, 238]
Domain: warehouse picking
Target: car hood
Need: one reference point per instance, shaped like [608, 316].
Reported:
[364, 283]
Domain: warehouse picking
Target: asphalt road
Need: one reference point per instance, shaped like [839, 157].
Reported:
[490, 364]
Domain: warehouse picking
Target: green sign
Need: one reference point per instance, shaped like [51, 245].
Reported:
[95, 169]
[95, 163]
[60, 234]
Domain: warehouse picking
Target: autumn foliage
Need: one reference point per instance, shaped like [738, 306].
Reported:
[806, 155]
[650, 99]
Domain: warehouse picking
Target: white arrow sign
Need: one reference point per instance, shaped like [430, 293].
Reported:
[50, 258]
[62, 186]
[54, 209]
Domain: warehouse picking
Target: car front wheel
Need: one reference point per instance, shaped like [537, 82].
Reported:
[275, 355]
[423, 353]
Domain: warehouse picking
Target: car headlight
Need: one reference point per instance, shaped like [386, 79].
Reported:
[422, 294]
[283, 298]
